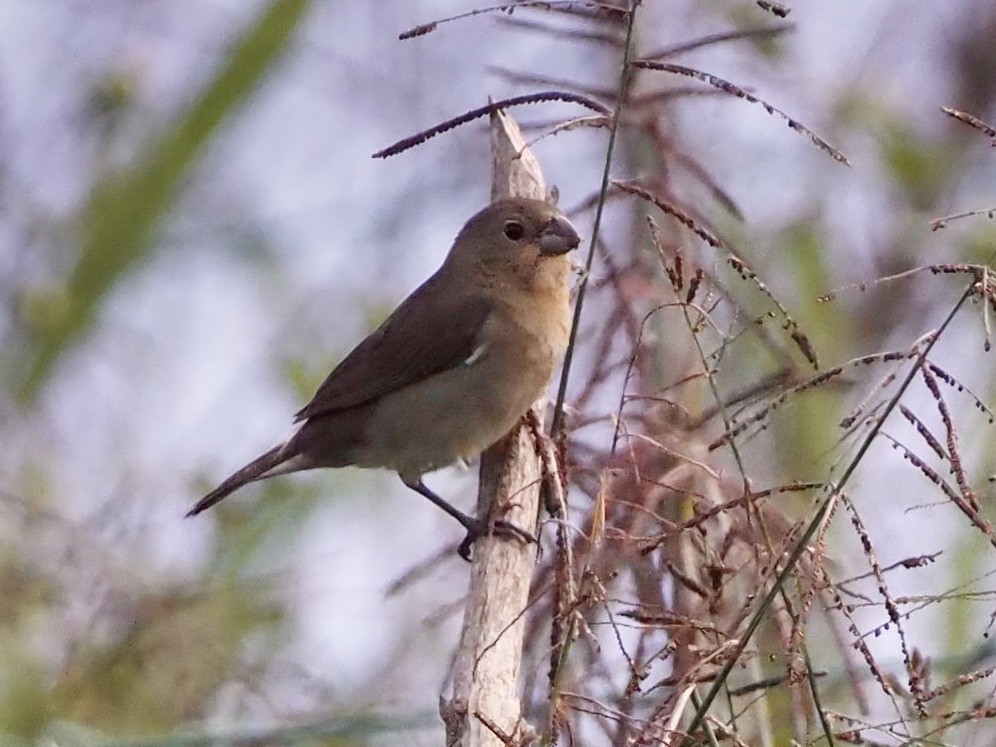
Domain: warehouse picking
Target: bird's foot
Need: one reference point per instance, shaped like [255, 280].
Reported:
[477, 528]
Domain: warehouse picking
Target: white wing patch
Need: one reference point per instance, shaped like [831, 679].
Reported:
[476, 355]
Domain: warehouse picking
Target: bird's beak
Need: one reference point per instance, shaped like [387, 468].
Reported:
[558, 236]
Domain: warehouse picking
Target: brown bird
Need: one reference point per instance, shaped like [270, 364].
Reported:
[452, 370]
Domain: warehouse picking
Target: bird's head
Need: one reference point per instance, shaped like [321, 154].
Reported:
[515, 236]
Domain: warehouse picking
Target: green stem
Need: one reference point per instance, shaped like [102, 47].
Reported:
[818, 519]
[558, 411]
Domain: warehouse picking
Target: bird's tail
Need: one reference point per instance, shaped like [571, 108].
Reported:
[263, 466]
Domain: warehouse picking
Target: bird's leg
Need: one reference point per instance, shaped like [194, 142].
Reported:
[475, 527]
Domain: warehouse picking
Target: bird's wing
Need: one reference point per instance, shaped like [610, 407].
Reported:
[428, 333]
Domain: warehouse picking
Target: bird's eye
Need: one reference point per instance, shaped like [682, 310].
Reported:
[513, 230]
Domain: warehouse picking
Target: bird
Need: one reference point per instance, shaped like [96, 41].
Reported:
[451, 371]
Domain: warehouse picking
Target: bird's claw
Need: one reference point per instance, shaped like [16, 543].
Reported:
[500, 528]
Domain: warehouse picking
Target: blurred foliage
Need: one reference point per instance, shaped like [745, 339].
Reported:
[920, 167]
[166, 666]
[127, 206]
[249, 535]
[802, 252]
[24, 684]
[179, 646]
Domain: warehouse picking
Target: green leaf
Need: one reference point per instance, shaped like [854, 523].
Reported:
[127, 206]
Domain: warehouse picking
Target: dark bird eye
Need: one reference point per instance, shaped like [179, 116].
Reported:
[513, 230]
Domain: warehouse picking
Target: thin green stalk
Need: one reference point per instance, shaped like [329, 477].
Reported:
[710, 736]
[817, 701]
[556, 427]
[817, 520]
[558, 411]
[728, 424]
